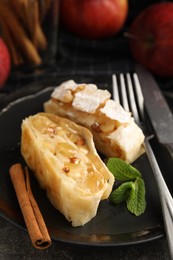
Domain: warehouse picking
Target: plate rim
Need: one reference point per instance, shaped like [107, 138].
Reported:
[146, 239]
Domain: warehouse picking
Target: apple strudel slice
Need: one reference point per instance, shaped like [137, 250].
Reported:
[63, 158]
[114, 130]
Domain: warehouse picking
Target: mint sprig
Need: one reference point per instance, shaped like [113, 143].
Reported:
[132, 188]
[136, 202]
[121, 193]
[121, 170]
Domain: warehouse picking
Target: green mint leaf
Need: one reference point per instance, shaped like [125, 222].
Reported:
[122, 170]
[121, 193]
[136, 202]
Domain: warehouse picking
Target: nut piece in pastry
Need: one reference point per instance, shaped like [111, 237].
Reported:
[63, 158]
[114, 130]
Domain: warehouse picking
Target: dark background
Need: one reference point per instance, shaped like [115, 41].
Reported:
[78, 56]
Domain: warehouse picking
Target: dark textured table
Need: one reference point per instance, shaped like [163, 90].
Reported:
[15, 244]
[90, 59]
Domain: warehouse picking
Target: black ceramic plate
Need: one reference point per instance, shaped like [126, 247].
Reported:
[112, 226]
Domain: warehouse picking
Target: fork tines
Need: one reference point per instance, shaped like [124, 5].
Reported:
[127, 91]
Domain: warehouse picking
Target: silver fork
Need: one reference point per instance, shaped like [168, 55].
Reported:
[127, 91]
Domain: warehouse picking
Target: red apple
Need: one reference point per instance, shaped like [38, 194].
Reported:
[5, 63]
[151, 38]
[93, 18]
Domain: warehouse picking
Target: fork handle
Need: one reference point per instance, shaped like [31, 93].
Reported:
[170, 148]
[168, 220]
[165, 196]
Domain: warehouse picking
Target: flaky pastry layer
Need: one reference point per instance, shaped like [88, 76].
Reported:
[114, 130]
[63, 158]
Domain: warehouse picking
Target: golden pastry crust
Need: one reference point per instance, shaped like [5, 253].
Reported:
[64, 159]
[114, 130]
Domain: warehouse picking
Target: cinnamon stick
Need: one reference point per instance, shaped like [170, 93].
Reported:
[23, 24]
[15, 55]
[19, 35]
[39, 38]
[33, 218]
